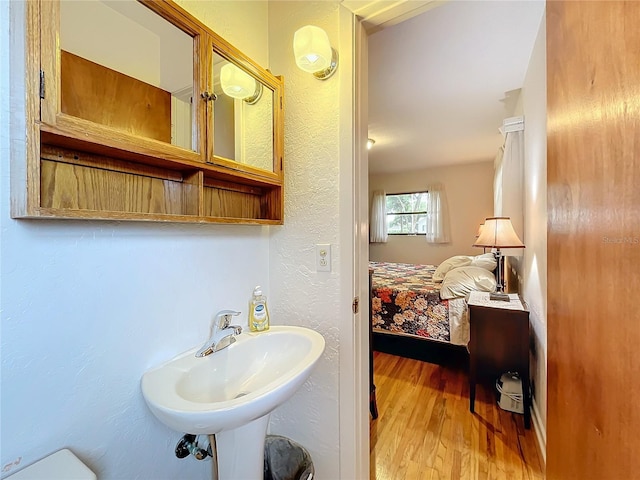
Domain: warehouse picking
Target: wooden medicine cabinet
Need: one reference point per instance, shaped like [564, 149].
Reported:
[137, 111]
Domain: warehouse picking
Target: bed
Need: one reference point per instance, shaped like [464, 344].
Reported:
[406, 301]
[407, 308]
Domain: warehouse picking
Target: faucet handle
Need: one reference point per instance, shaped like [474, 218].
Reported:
[223, 318]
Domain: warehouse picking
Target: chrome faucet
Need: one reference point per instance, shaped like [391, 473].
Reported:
[222, 335]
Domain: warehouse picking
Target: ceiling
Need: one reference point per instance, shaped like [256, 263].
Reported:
[441, 82]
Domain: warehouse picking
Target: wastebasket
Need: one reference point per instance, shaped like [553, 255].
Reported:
[284, 459]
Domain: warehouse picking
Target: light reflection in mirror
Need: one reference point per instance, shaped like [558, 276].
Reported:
[243, 116]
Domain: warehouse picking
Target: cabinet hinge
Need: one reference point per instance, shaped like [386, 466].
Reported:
[356, 305]
[42, 84]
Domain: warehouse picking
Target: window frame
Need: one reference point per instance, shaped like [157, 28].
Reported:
[387, 213]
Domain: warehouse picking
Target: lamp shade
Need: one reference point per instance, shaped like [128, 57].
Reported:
[498, 232]
[236, 83]
[312, 49]
[480, 230]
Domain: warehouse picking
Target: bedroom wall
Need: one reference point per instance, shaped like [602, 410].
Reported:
[534, 261]
[469, 191]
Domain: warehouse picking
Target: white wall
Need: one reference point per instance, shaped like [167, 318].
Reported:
[87, 307]
[244, 24]
[317, 148]
[146, 47]
[469, 191]
[256, 122]
[534, 96]
[86, 30]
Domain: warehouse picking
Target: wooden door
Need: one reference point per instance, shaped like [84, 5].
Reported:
[593, 81]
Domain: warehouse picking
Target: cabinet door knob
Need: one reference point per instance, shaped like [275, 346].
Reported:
[207, 97]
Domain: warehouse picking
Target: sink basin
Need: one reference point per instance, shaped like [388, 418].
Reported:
[234, 386]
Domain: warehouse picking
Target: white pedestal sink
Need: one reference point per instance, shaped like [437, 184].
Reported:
[232, 392]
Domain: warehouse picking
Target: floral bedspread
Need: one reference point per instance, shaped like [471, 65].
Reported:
[406, 300]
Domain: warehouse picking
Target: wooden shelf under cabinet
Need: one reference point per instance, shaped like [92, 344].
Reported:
[77, 184]
[231, 200]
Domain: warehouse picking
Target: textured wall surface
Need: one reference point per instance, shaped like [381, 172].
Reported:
[469, 191]
[257, 127]
[534, 95]
[303, 296]
[244, 24]
[87, 307]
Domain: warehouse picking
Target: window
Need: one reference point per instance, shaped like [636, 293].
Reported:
[407, 213]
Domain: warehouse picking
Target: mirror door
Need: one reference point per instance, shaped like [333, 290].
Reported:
[245, 113]
[139, 80]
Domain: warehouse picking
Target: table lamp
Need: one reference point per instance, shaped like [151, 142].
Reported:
[498, 233]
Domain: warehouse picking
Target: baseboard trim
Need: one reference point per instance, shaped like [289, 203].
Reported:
[541, 432]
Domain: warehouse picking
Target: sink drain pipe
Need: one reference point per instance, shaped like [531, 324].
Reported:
[188, 445]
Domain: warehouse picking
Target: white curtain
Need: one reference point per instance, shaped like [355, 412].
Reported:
[497, 183]
[437, 215]
[508, 185]
[378, 223]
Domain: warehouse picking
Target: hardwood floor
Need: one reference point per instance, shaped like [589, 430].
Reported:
[425, 430]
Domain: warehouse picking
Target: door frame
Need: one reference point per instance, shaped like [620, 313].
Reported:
[354, 225]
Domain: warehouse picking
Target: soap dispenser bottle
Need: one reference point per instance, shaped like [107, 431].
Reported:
[258, 313]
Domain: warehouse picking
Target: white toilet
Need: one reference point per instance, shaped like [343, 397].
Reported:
[62, 465]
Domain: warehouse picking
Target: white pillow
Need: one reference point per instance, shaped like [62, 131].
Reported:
[460, 281]
[448, 264]
[486, 261]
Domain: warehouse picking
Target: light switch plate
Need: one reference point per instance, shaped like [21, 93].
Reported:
[323, 257]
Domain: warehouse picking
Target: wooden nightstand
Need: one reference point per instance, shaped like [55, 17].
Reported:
[499, 343]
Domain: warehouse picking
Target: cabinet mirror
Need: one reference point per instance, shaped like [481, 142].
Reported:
[139, 81]
[124, 122]
[245, 117]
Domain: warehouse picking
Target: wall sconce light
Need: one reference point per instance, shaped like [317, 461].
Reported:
[313, 52]
[239, 84]
[370, 143]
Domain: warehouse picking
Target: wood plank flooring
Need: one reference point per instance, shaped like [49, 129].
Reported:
[425, 430]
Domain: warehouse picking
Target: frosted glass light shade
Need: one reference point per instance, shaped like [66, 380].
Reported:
[498, 232]
[312, 49]
[236, 83]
